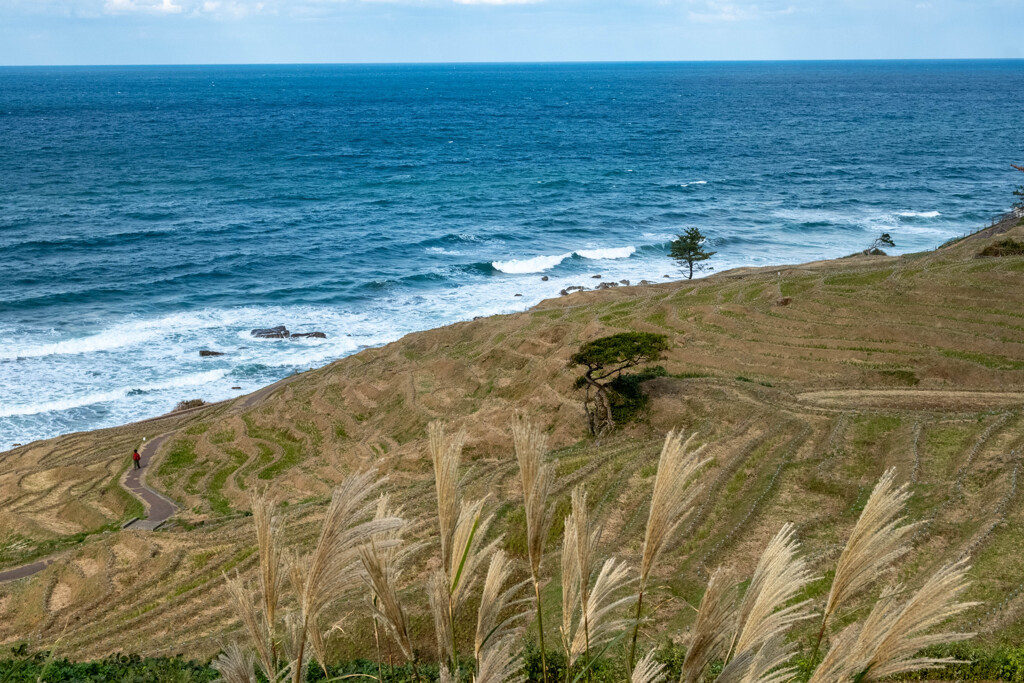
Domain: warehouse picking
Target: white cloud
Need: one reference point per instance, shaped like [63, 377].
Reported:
[496, 2]
[146, 6]
[715, 11]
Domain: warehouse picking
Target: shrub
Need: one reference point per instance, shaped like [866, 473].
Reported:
[1007, 247]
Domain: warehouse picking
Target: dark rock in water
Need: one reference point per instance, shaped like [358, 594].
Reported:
[607, 285]
[279, 332]
[236, 388]
[667, 276]
[544, 278]
[646, 282]
[206, 353]
[596, 277]
[310, 335]
[564, 292]
[518, 295]
[15, 445]
[575, 288]
[624, 282]
[784, 301]
[478, 317]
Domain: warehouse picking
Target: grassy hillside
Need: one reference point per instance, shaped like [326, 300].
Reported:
[807, 382]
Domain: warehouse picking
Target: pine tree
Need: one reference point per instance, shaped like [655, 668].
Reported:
[688, 250]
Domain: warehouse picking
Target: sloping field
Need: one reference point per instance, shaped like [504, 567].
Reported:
[807, 382]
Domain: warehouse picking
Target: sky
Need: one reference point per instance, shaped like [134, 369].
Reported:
[47, 32]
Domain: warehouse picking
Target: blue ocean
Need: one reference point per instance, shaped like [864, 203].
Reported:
[147, 213]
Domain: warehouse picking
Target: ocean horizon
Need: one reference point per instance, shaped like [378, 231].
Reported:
[150, 212]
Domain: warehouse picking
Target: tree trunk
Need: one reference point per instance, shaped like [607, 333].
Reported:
[691, 270]
[605, 407]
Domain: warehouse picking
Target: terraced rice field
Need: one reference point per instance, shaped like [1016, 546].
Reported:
[915, 362]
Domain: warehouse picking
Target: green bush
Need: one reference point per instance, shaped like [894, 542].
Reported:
[25, 667]
[627, 396]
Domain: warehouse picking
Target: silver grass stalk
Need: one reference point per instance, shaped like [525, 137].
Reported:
[255, 625]
[235, 665]
[501, 662]
[671, 503]
[470, 531]
[877, 541]
[779, 577]
[384, 558]
[886, 642]
[762, 666]
[530, 445]
[710, 635]
[500, 614]
[647, 670]
[446, 454]
[570, 584]
[268, 542]
[439, 597]
[330, 572]
[463, 527]
[599, 625]
[498, 625]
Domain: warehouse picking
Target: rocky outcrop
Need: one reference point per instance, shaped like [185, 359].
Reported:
[607, 285]
[279, 332]
[206, 353]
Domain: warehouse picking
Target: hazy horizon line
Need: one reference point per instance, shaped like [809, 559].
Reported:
[529, 62]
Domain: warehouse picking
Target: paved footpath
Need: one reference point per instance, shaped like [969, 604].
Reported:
[160, 508]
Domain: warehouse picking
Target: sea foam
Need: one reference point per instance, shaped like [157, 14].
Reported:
[539, 264]
[192, 380]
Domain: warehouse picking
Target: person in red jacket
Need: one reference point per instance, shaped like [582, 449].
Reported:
[136, 458]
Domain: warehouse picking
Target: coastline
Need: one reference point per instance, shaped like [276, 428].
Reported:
[599, 285]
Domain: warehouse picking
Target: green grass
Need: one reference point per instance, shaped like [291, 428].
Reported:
[218, 502]
[857, 279]
[796, 286]
[222, 437]
[941, 447]
[181, 454]
[16, 550]
[905, 377]
[291, 447]
[987, 360]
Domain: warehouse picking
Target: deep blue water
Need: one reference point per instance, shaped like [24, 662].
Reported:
[146, 213]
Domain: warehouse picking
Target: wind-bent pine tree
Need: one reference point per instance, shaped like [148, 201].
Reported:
[606, 358]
